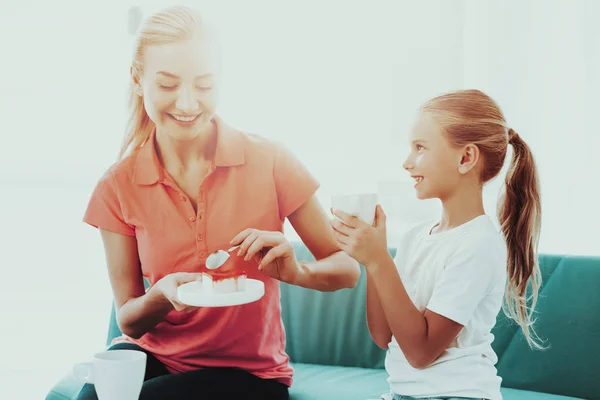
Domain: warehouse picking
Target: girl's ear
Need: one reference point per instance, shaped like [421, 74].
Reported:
[469, 158]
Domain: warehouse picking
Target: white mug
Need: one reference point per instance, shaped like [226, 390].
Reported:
[116, 374]
[359, 205]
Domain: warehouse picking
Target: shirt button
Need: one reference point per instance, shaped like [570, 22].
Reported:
[199, 216]
[192, 219]
[200, 238]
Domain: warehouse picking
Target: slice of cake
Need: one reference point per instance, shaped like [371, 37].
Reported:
[223, 282]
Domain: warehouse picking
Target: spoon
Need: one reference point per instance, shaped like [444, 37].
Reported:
[218, 258]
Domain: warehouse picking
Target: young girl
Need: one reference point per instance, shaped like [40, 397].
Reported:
[435, 304]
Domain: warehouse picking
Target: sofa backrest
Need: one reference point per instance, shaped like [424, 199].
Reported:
[568, 321]
[328, 327]
[331, 329]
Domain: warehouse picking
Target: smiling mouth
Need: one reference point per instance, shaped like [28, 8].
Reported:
[184, 118]
[418, 179]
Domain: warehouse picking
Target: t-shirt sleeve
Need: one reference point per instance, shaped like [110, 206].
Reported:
[293, 182]
[465, 281]
[104, 208]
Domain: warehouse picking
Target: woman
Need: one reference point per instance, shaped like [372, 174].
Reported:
[186, 185]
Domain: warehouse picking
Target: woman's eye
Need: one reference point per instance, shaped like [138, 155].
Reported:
[203, 88]
[419, 147]
[168, 87]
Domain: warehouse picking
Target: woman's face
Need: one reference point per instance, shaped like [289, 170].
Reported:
[179, 86]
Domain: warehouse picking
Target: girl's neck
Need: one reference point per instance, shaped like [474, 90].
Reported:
[461, 207]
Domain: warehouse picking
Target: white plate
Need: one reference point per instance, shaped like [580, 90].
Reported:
[191, 294]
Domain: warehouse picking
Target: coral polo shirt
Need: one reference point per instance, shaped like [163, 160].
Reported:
[253, 183]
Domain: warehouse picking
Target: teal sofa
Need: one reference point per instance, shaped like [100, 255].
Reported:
[335, 358]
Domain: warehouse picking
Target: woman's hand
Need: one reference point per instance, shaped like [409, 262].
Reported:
[365, 243]
[271, 250]
[167, 288]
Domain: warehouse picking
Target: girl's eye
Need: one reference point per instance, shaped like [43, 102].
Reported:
[203, 88]
[167, 87]
[419, 147]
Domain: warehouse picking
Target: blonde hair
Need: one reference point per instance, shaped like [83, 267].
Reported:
[472, 117]
[170, 25]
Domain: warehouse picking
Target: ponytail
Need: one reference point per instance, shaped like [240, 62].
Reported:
[519, 213]
[139, 126]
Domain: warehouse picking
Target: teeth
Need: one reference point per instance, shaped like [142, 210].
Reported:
[184, 119]
[418, 178]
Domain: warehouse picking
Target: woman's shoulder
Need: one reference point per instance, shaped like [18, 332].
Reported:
[120, 171]
[261, 149]
[260, 143]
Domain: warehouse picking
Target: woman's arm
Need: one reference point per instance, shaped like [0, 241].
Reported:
[333, 269]
[376, 321]
[137, 311]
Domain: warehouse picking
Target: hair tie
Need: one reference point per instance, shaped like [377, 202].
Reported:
[512, 136]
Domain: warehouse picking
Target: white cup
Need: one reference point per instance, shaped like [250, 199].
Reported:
[116, 374]
[361, 205]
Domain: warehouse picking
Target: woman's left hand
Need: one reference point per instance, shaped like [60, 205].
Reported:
[365, 243]
[271, 250]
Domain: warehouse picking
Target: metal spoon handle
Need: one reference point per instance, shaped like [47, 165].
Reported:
[233, 248]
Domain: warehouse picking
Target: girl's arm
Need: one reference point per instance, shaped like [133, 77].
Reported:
[422, 337]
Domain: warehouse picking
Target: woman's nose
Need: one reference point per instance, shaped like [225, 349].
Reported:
[186, 101]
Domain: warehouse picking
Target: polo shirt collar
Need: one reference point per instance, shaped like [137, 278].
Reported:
[229, 153]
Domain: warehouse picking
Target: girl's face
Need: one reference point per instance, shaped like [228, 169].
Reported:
[433, 162]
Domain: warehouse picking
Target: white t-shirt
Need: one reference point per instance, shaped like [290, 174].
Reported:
[460, 274]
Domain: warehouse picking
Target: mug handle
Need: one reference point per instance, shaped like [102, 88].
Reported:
[83, 372]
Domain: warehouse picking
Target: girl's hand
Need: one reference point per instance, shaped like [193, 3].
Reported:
[271, 250]
[366, 244]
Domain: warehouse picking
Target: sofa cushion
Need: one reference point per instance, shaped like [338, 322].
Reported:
[312, 381]
[315, 382]
[517, 394]
[66, 389]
